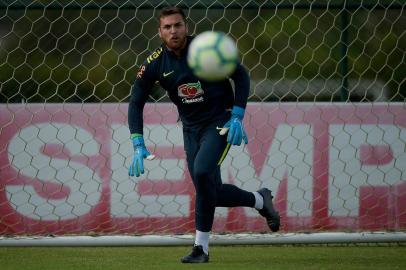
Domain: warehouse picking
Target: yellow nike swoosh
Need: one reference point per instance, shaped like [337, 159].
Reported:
[169, 73]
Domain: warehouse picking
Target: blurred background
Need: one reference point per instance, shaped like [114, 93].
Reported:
[90, 51]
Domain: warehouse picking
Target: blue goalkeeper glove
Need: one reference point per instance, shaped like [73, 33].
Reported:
[140, 152]
[235, 127]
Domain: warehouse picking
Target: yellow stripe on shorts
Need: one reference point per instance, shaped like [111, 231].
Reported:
[223, 156]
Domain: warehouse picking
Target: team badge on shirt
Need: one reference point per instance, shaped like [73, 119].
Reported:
[191, 92]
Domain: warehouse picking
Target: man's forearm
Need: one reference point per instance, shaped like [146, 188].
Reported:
[242, 86]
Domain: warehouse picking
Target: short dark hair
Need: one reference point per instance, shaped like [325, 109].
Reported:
[170, 11]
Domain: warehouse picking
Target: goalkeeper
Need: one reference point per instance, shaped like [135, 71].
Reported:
[202, 106]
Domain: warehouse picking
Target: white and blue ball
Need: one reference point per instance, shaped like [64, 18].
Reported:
[212, 56]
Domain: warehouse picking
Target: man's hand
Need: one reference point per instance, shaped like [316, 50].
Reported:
[140, 152]
[235, 127]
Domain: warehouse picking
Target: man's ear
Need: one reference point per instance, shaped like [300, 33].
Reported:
[159, 32]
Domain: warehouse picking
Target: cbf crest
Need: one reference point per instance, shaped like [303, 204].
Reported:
[191, 92]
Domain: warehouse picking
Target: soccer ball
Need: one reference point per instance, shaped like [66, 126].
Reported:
[212, 56]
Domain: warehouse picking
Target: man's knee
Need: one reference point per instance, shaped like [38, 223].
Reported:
[205, 182]
[201, 173]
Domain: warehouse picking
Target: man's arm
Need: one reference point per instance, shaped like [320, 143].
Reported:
[242, 86]
[139, 95]
[235, 126]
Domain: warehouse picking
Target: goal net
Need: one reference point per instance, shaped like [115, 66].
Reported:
[326, 117]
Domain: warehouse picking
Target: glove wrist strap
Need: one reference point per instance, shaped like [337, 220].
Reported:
[135, 135]
[138, 141]
[238, 112]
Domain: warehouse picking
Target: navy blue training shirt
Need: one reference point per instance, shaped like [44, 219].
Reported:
[198, 101]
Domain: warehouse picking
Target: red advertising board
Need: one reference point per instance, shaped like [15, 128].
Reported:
[331, 167]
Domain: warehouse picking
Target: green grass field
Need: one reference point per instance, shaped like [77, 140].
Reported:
[221, 257]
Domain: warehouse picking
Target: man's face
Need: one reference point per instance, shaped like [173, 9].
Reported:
[173, 31]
